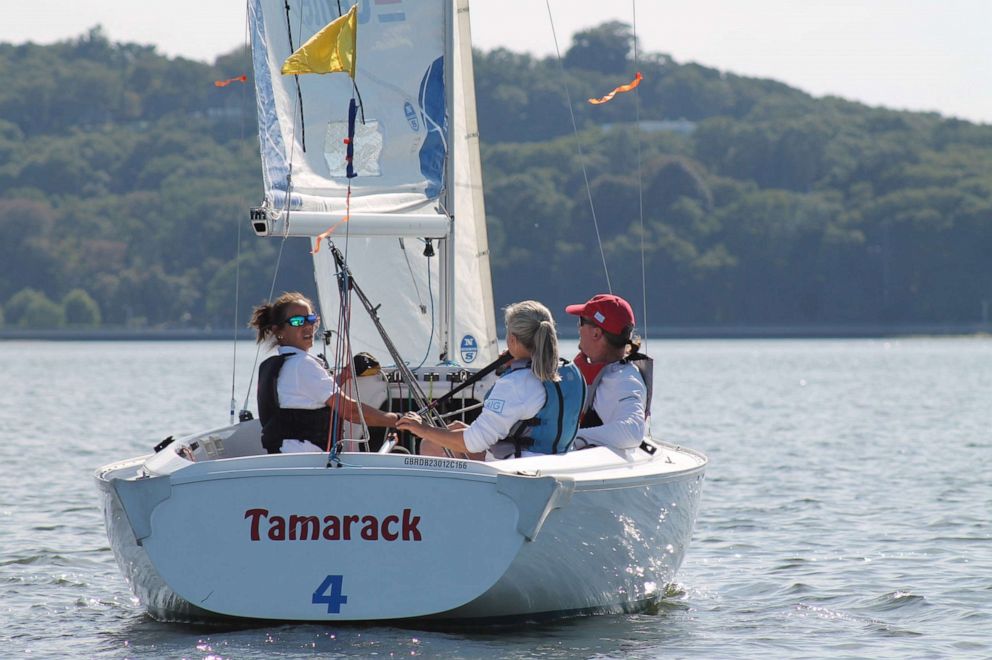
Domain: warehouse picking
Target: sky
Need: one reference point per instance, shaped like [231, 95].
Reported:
[930, 55]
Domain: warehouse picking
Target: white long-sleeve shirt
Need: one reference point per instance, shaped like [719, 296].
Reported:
[619, 402]
[516, 396]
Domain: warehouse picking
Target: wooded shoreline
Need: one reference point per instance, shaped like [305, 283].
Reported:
[833, 331]
[732, 206]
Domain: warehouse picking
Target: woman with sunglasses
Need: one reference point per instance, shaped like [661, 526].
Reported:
[296, 394]
[518, 395]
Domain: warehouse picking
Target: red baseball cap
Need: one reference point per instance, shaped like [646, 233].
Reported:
[609, 312]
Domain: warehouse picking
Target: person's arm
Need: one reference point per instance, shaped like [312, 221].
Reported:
[626, 432]
[349, 410]
[516, 396]
[511, 399]
[621, 408]
[453, 439]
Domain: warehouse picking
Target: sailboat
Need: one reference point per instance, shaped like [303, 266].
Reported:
[210, 526]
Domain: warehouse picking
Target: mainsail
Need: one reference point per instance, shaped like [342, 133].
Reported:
[416, 160]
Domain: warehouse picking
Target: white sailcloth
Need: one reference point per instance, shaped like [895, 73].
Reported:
[417, 164]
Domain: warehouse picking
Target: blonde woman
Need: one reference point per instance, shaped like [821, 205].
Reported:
[296, 394]
[518, 395]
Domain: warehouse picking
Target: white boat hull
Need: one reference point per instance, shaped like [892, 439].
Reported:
[388, 536]
[612, 550]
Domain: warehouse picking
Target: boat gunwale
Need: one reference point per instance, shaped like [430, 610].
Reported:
[583, 476]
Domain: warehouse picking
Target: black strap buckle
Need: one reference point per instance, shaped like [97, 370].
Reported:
[162, 445]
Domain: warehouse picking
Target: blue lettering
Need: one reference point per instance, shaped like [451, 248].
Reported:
[334, 599]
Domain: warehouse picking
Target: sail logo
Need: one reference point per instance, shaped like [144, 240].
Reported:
[469, 348]
[316, 15]
[411, 116]
[390, 11]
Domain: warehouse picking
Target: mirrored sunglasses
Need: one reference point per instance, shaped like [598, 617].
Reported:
[297, 321]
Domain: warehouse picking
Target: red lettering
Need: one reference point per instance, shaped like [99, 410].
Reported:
[308, 526]
[298, 527]
[386, 534]
[255, 515]
[332, 531]
[410, 522]
[370, 532]
[277, 528]
[348, 520]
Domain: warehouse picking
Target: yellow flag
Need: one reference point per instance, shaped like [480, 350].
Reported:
[330, 50]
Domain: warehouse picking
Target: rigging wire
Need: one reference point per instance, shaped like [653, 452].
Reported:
[237, 247]
[462, 411]
[430, 293]
[640, 179]
[299, 91]
[413, 278]
[578, 144]
[237, 303]
[640, 194]
[297, 117]
[343, 351]
[272, 288]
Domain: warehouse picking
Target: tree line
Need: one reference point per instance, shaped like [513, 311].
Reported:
[125, 177]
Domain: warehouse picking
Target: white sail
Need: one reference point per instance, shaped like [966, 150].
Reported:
[416, 163]
[472, 271]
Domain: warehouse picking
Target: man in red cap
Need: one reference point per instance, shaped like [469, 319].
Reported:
[617, 399]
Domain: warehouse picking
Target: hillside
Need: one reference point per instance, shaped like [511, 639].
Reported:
[125, 179]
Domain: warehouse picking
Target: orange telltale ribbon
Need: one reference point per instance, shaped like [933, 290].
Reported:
[225, 83]
[622, 88]
[323, 235]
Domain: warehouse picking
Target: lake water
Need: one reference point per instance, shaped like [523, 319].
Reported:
[847, 510]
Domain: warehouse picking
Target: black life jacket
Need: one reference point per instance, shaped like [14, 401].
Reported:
[280, 423]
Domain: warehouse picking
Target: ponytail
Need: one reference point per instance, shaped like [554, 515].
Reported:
[544, 355]
[532, 324]
[261, 320]
[265, 318]
[625, 339]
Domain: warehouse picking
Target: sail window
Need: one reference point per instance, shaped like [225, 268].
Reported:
[368, 148]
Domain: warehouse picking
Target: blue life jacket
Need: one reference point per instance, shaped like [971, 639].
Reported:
[553, 429]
